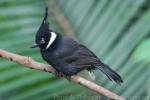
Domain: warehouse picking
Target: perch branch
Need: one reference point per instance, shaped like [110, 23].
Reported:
[30, 63]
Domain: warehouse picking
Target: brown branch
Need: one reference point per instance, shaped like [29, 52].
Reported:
[30, 63]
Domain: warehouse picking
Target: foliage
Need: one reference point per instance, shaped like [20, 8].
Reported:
[115, 30]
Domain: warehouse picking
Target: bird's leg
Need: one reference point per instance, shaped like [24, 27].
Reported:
[68, 77]
[59, 74]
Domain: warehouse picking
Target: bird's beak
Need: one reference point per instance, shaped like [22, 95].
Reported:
[34, 45]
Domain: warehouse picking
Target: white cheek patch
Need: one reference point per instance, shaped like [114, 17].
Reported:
[51, 40]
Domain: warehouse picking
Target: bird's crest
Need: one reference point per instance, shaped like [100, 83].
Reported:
[46, 14]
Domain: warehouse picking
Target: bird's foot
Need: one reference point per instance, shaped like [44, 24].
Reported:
[68, 77]
[59, 74]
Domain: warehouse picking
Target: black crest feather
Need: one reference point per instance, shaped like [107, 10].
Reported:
[46, 14]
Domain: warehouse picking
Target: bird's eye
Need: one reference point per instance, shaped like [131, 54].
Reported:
[42, 41]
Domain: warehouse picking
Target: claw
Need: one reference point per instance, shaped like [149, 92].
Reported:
[59, 74]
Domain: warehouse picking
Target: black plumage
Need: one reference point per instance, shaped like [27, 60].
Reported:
[68, 56]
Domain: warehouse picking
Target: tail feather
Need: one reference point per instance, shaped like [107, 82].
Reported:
[112, 75]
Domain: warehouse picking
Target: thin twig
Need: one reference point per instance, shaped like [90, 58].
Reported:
[30, 63]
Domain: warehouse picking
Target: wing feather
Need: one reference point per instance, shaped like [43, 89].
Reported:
[83, 58]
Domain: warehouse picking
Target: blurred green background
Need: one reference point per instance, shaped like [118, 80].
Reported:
[117, 31]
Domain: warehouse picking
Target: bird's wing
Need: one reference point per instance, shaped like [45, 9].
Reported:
[83, 58]
[87, 57]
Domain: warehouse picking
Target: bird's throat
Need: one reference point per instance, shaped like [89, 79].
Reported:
[51, 40]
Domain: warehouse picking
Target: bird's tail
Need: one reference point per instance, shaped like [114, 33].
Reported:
[111, 74]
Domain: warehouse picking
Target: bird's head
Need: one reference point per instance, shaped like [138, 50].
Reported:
[44, 37]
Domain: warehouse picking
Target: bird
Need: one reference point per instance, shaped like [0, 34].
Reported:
[67, 56]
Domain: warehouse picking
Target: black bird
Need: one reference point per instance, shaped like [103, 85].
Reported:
[68, 56]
